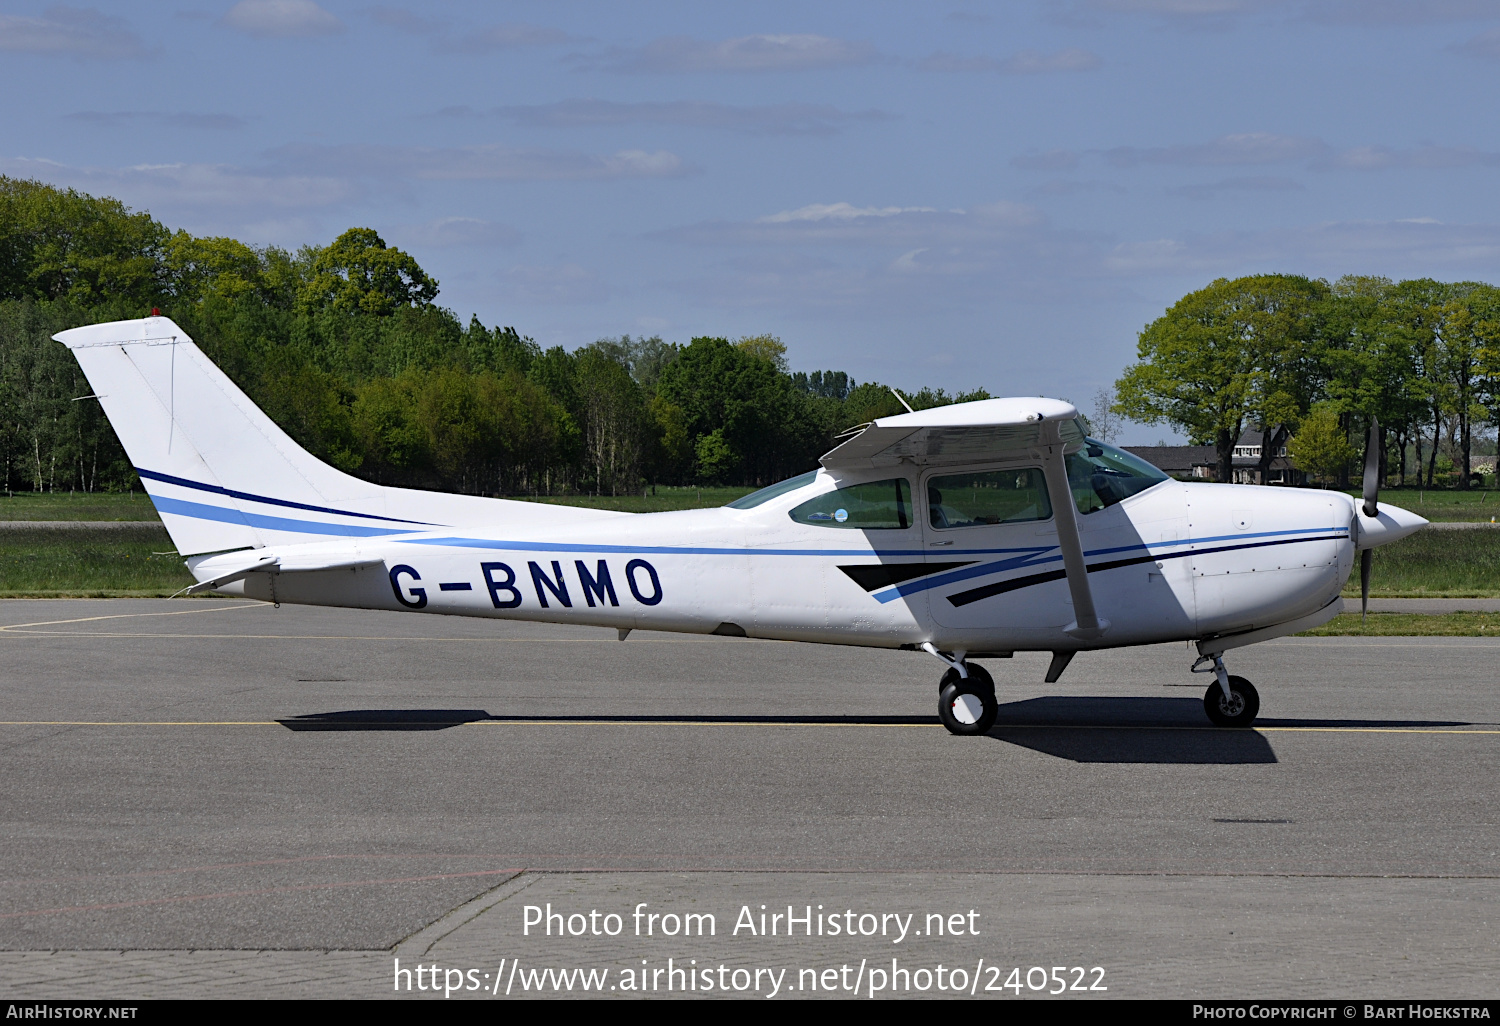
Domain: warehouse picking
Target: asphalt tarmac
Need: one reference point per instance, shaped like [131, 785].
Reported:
[218, 797]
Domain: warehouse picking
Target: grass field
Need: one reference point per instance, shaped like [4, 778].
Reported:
[77, 506]
[663, 500]
[102, 563]
[1386, 625]
[1433, 564]
[1444, 506]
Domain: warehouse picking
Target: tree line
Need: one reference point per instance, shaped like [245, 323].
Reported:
[346, 348]
[1309, 364]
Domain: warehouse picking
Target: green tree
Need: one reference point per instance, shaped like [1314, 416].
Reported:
[765, 347]
[1321, 445]
[1233, 353]
[63, 244]
[741, 396]
[359, 272]
[203, 267]
[1370, 362]
[615, 420]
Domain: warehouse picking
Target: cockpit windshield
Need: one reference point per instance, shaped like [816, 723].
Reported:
[770, 492]
[1102, 475]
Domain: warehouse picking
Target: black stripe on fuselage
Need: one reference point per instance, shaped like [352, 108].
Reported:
[874, 576]
[965, 598]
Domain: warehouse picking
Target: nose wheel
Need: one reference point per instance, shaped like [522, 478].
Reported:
[967, 705]
[1236, 709]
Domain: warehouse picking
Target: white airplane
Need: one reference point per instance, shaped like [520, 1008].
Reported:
[970, 531]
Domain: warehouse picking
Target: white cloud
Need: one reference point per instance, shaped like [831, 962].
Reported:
[1248, 149]
[1398, 248]
[1259, 183]
[70, 31]
[839, 212]
[1332, 12]
[1375, 158]
[843, 224]
[745, 53]
[280, 19]
[1052, 160]
[454, 232]
[1182, 8]
[1242, 148]
[838, 257]
[1486, 45]
[765, 119]
[403, 20]
[190, 185]
[1399, 12]
[1026, 62]
[481, 163]
[122, 118]
[559, 285]
[504, 37]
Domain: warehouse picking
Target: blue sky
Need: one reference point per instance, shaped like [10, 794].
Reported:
[996, 194]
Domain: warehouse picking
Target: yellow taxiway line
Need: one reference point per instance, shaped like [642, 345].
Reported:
[503, 722]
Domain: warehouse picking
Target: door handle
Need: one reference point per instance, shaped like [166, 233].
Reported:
[948, 542]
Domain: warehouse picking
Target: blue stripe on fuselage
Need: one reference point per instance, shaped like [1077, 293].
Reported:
[199, 511]
[183, 482]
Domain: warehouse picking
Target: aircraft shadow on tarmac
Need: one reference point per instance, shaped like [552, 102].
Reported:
[1079, 729]
[1125, 730]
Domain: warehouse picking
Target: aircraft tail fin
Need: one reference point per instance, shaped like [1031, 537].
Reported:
[223, 475]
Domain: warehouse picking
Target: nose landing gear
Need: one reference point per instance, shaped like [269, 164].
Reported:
[967, 705]
[966, 695]
[1229, 701]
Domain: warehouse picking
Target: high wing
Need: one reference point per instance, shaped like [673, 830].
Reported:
[961, 433]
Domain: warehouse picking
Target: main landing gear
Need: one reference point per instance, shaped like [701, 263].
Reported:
[966, 695]
[1229, 701]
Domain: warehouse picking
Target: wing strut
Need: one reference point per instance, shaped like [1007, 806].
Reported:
[1086, 624]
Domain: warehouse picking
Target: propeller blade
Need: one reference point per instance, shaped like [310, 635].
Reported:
[1366, 561]
[1372, 469]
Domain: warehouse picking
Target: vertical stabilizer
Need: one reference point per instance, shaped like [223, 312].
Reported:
[224, 476]
[221, 473]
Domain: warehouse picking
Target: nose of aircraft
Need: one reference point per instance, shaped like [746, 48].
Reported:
[1390, 524]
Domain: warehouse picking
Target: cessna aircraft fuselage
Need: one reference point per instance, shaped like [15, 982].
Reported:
[1173, 562]
[969, 530]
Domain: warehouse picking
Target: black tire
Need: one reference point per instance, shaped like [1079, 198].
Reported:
[968, 707]
[1239, 711]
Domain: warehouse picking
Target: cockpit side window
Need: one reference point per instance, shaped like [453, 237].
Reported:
[987, 498]
[875, 505]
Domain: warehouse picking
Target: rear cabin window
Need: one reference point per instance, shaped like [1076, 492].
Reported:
[877, 505]
[991, 497]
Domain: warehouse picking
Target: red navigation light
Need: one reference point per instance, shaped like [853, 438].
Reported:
[155, 312]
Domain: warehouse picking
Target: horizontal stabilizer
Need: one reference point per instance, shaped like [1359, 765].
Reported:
[273, 564]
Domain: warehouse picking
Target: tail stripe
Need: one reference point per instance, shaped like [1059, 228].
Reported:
[252, 497]
[199, 511]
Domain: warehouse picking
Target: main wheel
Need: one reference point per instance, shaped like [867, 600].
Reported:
[1238, 710]
[968, 706]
